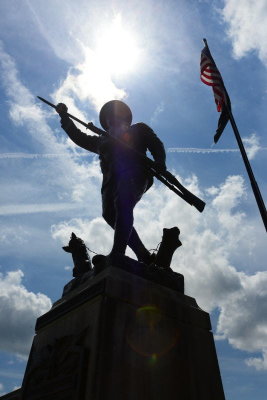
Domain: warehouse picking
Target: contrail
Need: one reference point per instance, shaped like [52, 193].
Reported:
[197, 150]
[169, 150]
[32, 156]
[204, 151]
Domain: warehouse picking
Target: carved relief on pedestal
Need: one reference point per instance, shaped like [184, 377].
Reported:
[57, 370]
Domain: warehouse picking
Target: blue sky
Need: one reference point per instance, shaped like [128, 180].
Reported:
[65, 51]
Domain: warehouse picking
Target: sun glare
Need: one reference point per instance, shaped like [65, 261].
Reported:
[117, 48]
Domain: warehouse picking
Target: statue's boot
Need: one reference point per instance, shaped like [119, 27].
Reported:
[101, 262]
[148, 259]
[170, 242]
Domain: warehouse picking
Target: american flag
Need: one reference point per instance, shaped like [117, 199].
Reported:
[210, 75]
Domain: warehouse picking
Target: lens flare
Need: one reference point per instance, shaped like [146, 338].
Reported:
[151, 333]
[153, 359]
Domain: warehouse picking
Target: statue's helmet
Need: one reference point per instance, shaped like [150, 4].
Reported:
[115, 109]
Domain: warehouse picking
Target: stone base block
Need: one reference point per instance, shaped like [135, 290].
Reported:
[120, 336]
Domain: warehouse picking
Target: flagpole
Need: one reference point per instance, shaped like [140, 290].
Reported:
[252, 179]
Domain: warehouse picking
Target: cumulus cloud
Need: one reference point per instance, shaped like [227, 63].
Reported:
[242, 17]
[243, 316]
[252, 144]
[210, 241]
[19, 310]
[260, 363]
[95, 232]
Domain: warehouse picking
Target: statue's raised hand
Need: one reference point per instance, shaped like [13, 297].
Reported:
[61, 108]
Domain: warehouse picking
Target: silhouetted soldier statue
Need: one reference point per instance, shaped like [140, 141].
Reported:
[125, 177]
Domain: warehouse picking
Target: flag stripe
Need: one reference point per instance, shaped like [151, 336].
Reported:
[210, 75]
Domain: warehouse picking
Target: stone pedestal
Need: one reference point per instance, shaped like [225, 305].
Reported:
[120, 336]
[16, 395]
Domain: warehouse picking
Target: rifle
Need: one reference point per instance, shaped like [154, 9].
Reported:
[165, 177]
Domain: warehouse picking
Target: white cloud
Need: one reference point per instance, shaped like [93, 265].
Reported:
[71, 27]
[229, 194]
[1, 389]
[11, 374]
[226, 200]
[90, 77]
[68, 26]
[11, 235]
[23, 108]
[88, 81]
[243, 316]
[96, 233]
[209, 239]
[98, 39]
[247, 26]
[252, 145]
[75, 179]
[260, 363]
[210, 242]
[19, 310]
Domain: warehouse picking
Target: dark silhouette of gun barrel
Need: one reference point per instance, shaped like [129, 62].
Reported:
[172, 183]
[165, 177]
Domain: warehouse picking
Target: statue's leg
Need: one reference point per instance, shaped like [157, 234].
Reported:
[128, 192]
[108, 207]
[124, 223]
[109, 198]
[136, 244]
[117, 211]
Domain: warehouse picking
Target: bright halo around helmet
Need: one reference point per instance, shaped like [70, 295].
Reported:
[117, 48]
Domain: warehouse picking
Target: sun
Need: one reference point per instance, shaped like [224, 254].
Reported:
[117, 48]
